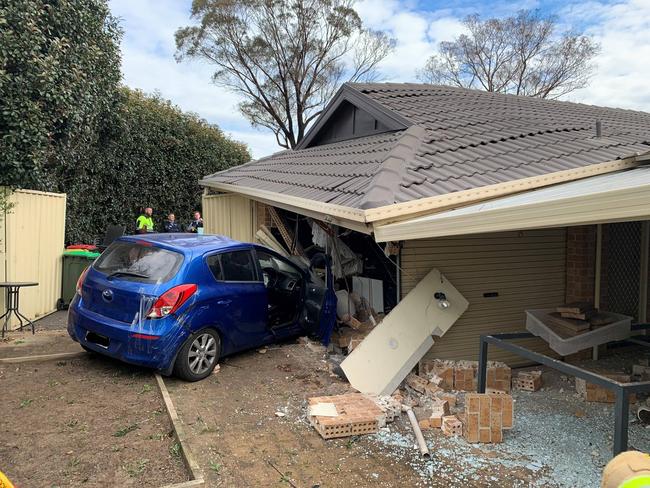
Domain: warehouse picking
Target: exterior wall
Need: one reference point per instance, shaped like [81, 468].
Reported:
[581, 263]
[230, 215]
[527, 269]
[32, 238]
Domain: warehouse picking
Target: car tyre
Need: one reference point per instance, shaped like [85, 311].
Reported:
[198, 356]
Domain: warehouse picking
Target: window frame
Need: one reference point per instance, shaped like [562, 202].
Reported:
[251, 254]
[299, 270]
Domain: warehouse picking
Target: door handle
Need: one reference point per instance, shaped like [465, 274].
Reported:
[224, 301]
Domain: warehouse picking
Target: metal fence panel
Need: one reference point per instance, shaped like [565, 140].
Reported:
[32, 236]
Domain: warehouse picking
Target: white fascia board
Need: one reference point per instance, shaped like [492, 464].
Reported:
[327, 212]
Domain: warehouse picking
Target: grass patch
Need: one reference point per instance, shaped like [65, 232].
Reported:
[26, 403]
[136, 468]
[216, 467]
[175, 449]
[122, 432]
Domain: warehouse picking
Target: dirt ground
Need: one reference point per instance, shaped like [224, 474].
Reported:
[85, 422]
[94, 421]
[240, 441]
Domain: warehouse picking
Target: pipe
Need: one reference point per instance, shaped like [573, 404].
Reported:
[643, 287]
[598, 274]
[398, 272]
[424, 450]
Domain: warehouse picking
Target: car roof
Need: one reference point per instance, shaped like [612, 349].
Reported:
[187, 242]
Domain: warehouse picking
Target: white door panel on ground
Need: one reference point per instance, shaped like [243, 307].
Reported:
[384, 358]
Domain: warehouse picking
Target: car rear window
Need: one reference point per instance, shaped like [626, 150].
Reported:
[139, 262]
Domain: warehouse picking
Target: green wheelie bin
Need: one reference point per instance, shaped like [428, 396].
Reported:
[74, 262]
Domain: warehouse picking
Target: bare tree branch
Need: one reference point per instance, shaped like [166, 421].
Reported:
[286, 59]
[522, 55]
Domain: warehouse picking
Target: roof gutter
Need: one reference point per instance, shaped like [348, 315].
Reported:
[367, 220]
[348, 217]
[408, 210]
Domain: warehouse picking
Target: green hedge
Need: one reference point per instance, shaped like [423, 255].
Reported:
[152, 155]
[59, 73]
[67, 126]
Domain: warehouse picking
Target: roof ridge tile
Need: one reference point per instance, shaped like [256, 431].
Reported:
[386, 181]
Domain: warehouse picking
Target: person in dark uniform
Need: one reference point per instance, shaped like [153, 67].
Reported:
[196, 224]
[171, 225]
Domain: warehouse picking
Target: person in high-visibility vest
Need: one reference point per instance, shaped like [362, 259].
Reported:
[4, 481]
[144, 223]
[630, 469]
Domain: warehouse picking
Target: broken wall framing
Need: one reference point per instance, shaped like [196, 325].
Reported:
[502, 274]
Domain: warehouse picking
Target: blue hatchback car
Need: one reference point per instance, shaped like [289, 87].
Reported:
[179, 302]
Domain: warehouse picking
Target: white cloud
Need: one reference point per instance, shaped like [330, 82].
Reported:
[148, 64]
[623, 29]
[417, 34]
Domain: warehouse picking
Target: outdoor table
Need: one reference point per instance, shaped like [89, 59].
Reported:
[13, 300]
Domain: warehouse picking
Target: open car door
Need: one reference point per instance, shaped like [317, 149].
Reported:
[319, 313]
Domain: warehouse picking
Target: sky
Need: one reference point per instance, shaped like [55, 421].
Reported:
[621, 27]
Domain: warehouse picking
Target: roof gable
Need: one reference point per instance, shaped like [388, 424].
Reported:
[455, 141]
[351, 115]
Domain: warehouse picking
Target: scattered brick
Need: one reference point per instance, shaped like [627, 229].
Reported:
[450, 398]
[451, 426]
[354, 342]
[498, 376]
[465, 377]
[416, 382]
[440, 370]
[495, 392]
[391, 409]
[594, 393]
[357, 415]
[462, 375]
[528, 380]
[439, 409]
[486, 416]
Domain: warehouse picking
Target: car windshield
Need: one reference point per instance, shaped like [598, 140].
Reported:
[141, 262]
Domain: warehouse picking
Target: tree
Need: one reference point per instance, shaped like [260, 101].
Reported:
[522, 55]
[59, 72]
[285, 58]
[152, 154]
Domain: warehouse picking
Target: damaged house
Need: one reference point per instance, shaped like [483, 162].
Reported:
[465, 208]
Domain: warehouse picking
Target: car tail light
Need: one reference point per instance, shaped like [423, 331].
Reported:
[81, 279]
[171, 300]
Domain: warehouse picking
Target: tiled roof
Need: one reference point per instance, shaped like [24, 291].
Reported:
[465, 139]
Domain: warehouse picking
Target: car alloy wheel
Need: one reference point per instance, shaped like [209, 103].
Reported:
[202, 354]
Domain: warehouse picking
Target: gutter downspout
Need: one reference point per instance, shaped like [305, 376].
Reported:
[598, 270]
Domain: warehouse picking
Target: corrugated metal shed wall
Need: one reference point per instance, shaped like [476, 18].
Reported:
[526, 269]
[230, 215]
[32, 236]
